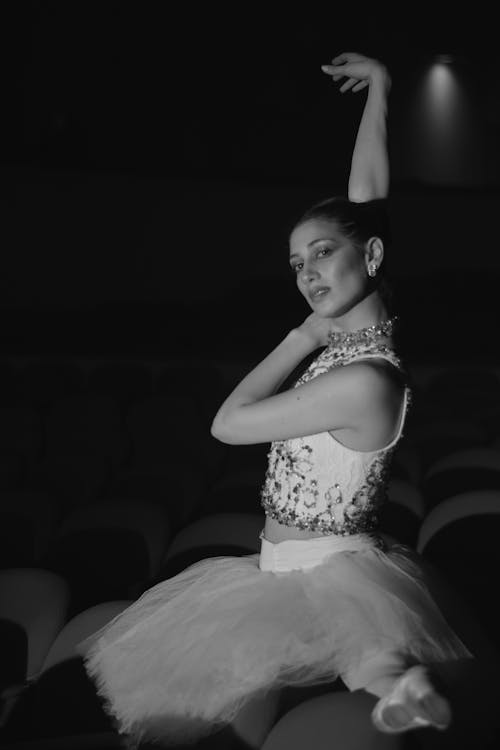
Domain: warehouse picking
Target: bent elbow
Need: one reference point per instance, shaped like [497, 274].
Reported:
[218, 432]
[214, 429]
[222, 432]
[368, 190]
[361, 195]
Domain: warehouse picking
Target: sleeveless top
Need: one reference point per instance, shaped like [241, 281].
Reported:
[318, 484]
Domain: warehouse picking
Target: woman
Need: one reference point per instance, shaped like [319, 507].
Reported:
[327, 596]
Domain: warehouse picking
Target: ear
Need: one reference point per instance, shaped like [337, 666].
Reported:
[374, 251]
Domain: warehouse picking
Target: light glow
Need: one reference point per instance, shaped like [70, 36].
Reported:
[443, 139]
[442, 92]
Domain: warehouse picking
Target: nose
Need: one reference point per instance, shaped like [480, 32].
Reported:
[308, 274]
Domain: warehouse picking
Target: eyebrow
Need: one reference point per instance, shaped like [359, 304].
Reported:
[312, 243]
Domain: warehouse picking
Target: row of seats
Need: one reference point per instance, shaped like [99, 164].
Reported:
[82, 449]
[40, 382]
[161, 430]
[468, 392]
[82, 443]
[118, 552]
[30, 518]
[123, 502]
[41, 627]
[32, 522]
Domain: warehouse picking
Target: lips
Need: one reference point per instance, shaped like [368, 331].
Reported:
[318, 292]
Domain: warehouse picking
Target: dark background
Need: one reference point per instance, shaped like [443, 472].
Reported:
[154, 158]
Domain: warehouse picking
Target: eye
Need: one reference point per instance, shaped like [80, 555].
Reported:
[324, 251]
[296, 267]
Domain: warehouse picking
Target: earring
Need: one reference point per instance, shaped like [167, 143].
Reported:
[372, 269]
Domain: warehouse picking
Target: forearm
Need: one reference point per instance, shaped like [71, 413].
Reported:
[369, 176]
[265, 379]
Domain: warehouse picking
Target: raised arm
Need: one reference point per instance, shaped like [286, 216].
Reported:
[369, 176]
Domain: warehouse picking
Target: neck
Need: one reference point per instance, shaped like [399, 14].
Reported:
[370, 311]
[378, 334]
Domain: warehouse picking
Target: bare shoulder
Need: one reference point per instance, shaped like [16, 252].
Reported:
[373, 390]
[375, 397]
[376, 377]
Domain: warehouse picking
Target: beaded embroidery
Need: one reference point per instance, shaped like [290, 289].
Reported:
[315, 483]
[367, 335]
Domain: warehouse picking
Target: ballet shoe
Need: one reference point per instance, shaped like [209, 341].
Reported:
[412, 703]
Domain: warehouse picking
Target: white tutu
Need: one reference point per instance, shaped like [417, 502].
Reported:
[183, 659]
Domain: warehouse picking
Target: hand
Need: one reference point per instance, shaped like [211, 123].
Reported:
[317, 329]
[360, 71]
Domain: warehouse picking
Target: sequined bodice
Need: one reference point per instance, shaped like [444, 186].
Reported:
[318, 484]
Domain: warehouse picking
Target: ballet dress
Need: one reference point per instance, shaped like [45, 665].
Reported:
[182, 660]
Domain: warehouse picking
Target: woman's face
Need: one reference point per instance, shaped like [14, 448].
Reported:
[330, 269]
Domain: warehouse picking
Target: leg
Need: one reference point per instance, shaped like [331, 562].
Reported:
[411, 695]
[378, 672]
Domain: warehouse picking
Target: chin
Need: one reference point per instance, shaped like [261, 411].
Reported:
[328, 311]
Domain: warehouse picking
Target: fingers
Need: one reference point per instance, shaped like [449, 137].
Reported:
[348, 85]
[357, 69]
[360, 85]
[330, 69]
[337, 72]
[347, 57]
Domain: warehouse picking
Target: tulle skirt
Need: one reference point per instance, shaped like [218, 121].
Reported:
[182, 660]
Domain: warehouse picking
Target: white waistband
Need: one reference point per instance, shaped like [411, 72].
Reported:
[304, 554]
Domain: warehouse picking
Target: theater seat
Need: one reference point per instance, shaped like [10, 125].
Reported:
[36, 600]
[462, 471]
[240, 529]
[107, 550]
[339, 720]
[460, 538]
[27, 523]
[84, 624]
[63, 702]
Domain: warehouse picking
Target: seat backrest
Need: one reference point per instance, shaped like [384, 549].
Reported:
[240, 529]
[79, 628]
[38, 601]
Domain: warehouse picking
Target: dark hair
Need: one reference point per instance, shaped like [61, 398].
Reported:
[358, 222]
